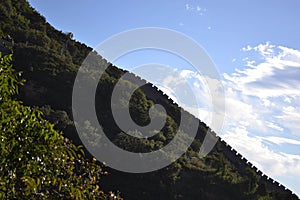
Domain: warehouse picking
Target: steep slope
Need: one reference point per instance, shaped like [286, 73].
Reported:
[50, 60]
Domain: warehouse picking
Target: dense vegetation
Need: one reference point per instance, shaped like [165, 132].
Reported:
[37, 161]
[49, 60]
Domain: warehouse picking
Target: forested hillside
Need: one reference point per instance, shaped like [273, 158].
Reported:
[49, 60]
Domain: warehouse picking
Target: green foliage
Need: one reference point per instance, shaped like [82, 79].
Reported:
[59, 118]
[139, 108]
[8, 79]
[36, 161]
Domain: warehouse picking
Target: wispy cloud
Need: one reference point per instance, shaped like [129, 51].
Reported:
[281, 140]
[290, 117]
[263, 49]
[262, 109]
[274, 126]
[271, 86]
[195, 8]
[188, 7]
[267, 160]
[268, 88]
[277, 75]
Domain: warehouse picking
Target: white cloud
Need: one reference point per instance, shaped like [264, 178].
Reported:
[188, 7]
[208, 93]
[263, 49]
[277, 75]
[264, 99]
[274, 126]
[186, 73]
[290, 118]
[256, 96]
[195, 8]
[247, 48]
[268, 161]
[280, 140]
[266, 87]
[287, 100]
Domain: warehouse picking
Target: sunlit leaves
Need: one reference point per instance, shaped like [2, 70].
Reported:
[36, 161]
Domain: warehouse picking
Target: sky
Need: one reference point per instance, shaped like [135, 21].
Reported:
[255, 46]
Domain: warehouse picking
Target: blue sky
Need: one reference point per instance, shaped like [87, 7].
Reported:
[255, 45]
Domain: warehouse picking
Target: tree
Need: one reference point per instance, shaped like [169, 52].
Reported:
[36, 161]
